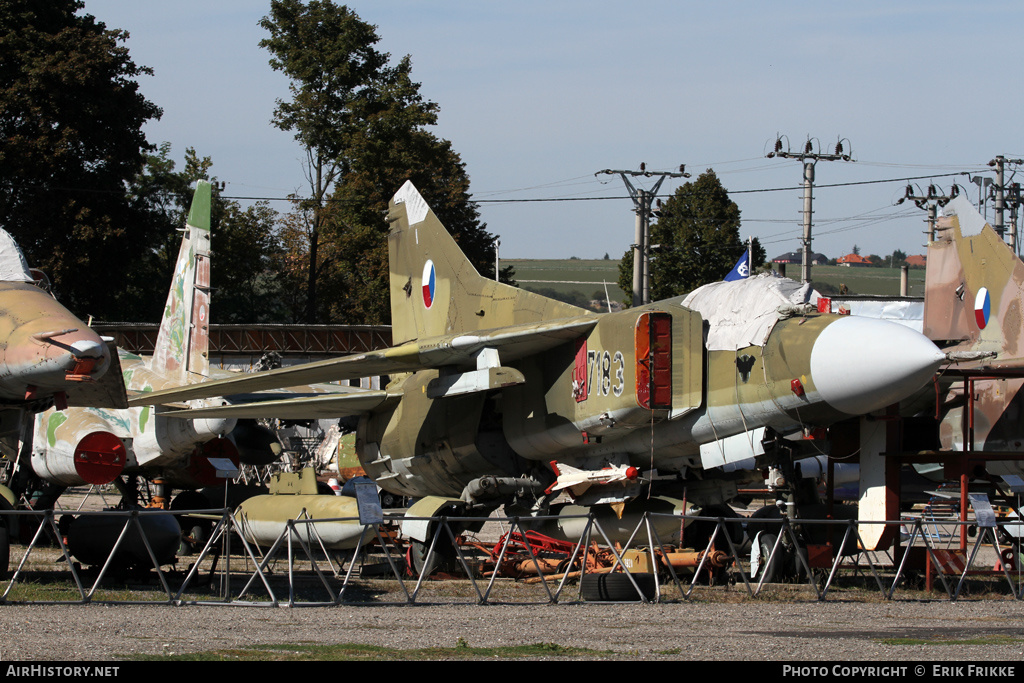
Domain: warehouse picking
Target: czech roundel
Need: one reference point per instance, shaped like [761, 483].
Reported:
[429, 284]
[982, 308]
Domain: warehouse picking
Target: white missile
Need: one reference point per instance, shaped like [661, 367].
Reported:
[578, 480]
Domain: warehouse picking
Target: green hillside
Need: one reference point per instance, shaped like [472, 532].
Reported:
[582, 279]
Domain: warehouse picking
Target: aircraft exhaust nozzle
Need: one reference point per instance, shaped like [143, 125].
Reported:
[100, 458]
[860, 364]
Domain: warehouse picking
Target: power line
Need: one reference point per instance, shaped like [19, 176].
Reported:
[246, 198]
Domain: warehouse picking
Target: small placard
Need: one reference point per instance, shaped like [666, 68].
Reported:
[983, 513]
[368, 501]
[225, 468]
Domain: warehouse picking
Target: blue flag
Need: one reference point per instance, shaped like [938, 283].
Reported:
[740, 270]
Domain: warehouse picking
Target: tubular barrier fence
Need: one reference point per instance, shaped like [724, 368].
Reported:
[474, 568]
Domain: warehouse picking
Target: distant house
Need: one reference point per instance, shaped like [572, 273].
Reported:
[917, 261]
[797, 257]
[852, 261]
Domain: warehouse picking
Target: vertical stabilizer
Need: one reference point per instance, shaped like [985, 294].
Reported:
[435, 290]
[182, 346]
[973, 285]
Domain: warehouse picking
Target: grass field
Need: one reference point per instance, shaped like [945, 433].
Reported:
[571, 278]
[585, 277]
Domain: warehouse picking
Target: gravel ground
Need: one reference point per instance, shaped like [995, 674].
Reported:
[751, 631]
[764, 630]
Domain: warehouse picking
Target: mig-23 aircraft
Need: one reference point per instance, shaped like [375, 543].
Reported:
[974, 303]
[499, 396]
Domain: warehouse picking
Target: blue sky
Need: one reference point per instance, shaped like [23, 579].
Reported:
[537, 97]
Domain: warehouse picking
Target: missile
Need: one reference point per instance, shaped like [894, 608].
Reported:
[579, 480]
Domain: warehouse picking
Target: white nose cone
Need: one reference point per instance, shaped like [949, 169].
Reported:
[859, 364]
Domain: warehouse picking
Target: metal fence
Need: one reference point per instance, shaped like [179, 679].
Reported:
[298, 570]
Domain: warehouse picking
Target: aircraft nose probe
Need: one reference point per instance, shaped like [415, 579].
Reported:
[862, 364]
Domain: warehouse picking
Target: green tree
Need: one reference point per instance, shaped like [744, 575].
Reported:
[359, 281]
[364, 125]
[337, 78]
[246, 246]
[698, 236]
[71, 140]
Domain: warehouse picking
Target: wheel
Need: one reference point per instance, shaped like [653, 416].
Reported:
[698, 534]
[441, 560]
[616, 587]
[194, 532]
[765, 545]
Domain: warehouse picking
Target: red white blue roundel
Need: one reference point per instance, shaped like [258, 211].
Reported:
[429, 283]
[982, 307]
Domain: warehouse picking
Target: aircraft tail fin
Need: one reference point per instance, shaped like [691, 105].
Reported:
[435, 290]
[974, 285]
[183, 342]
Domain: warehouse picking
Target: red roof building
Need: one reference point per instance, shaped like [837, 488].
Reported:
[917, 261]
[852, 260]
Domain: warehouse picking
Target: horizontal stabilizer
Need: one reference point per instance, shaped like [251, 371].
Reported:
[454, 350]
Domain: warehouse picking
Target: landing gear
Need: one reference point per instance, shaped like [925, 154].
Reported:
[194, 532]
[443, 559]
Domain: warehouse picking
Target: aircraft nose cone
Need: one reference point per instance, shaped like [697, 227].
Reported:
[863, 364]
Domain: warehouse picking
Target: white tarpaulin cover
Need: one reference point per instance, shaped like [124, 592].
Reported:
[13, 267]
[903, 311]
[741, 313]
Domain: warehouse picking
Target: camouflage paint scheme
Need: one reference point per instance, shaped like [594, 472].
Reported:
[48, 355]
[489, 384]
[970, 266]
[153, 445]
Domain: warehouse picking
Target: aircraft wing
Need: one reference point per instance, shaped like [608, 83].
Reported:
[452, 350]
[347, 401]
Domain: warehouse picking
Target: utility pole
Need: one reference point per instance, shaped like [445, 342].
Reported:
[497, 262]
[642, 201]
[808, 158]
[1013, 199]
[983, 185]
[930, 202]
[999, 163]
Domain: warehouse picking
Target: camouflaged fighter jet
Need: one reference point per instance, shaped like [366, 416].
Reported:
[493, 389]
[140, 440]
[974, 298]
[48, 356]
